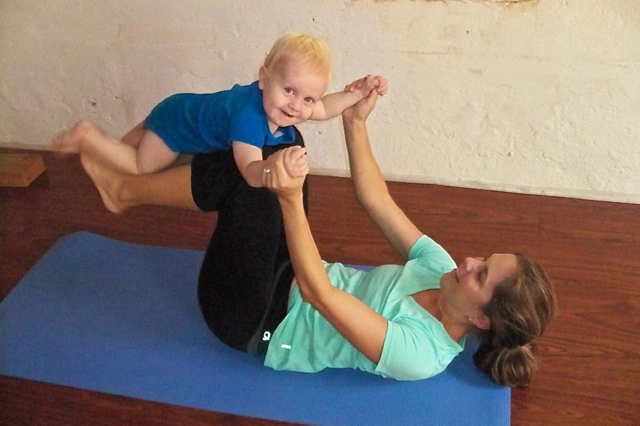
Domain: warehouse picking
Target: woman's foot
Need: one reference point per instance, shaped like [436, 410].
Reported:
[107, 179]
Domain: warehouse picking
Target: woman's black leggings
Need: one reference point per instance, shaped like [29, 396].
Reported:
[245, 277]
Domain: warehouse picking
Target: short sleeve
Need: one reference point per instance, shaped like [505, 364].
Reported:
[426, 247]
[248, 127]
[407, 354]
[431, 256]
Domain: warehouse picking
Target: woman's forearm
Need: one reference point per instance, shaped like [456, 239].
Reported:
[305, 258]
[372, 192]
[366, 175]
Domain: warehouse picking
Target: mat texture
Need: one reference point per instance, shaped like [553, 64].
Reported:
[115, 317]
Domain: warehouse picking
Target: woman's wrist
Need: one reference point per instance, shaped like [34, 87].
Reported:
[354, 122]
[289, 199]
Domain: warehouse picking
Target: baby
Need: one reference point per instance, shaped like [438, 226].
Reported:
[290, 89]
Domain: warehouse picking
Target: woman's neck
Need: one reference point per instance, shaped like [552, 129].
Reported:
[431, 302]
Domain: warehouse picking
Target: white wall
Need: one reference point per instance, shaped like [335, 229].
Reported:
[525, 96]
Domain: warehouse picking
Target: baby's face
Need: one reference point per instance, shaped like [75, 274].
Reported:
[290, 93]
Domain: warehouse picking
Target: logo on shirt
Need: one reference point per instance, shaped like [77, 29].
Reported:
[283, 346]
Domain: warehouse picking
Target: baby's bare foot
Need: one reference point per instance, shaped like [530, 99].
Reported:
[108, 181]
[69, 141]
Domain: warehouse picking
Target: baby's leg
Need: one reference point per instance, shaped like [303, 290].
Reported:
[153, 154]
[87, 136]
[134, 136]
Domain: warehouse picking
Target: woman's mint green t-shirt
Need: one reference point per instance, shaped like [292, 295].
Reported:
[416, 345]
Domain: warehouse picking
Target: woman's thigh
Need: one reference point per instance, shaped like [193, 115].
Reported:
[238, 272]
[245, 254]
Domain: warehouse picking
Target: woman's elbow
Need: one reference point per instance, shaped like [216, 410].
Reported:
[309, 296]
[313, 296]
[305, 294]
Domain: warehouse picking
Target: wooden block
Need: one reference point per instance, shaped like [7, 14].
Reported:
[19, 170]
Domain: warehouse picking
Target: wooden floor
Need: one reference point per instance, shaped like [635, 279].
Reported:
[590, 355]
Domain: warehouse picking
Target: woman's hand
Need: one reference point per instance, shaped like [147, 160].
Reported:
[361, 110]
[285, 171]
[367, 84]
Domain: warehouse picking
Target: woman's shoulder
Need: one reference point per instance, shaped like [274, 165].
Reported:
[416, 348]
[427, 251]
[426, 246]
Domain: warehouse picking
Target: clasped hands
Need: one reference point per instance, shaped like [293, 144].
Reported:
[371, 86]
[284, 171]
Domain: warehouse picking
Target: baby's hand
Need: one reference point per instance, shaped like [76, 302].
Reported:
[366, 84]
[295, 161]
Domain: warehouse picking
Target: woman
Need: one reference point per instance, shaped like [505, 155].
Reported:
[401, 321]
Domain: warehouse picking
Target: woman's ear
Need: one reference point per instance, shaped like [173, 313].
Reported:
[262, 77]
[481, 321]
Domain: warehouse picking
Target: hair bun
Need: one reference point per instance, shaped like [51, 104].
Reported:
[515, 367]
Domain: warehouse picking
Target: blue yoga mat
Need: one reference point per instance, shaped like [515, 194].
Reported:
[105, 315]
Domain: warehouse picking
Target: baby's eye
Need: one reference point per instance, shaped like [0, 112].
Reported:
[288, 90]
[309, 100]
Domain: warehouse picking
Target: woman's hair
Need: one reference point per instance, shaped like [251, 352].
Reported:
[308, 50]
[519, 311]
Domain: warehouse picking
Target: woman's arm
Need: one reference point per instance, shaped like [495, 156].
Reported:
[364, 328]
[371, 188]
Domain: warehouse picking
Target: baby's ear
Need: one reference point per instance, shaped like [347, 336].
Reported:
[262, 76]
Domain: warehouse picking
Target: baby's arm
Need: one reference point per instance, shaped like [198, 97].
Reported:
[334, 104]
[249, 161]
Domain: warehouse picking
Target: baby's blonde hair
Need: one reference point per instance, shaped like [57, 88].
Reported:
[309, 50]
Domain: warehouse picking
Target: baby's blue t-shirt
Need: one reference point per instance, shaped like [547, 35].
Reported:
[416, 345]
[192, 123]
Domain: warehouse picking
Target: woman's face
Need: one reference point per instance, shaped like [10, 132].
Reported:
[468, 288]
